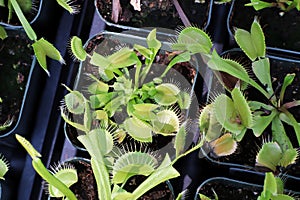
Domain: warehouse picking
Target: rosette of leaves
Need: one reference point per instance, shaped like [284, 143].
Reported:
[224, 122]
[152, 107]
[275, 112]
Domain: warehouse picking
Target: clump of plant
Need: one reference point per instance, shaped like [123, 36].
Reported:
[236, 114]
[273, 188]
[42, 48]
[113, 165]
[281, 4]
[149, 107]
[4, 166]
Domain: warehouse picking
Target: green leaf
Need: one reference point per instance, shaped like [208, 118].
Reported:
[289, 157]
[93, 143]
[166, 94]
[288, 79]
[242, 107]
[25, 5]
[3, 33]
[183, 57]
[253, 42]
[28, 29]
[208, 124]
[269, 155]
[67, 174]
[43, 48]
[226, 114]
[77, 48]
[152, 42]
[4, 166]
[100, 100]
[75, 102]
[144, 111]
[166, 122]
[180, 140]
[258, 5]
[133, 163]
[68, 5]
[279, 135]
[163, 173]
[194, 40]
[224, 145]
[138, 130]
[147, 53]
[2, 3]
[260, 122]
[270, 183]
[261, 69]
[184, 100]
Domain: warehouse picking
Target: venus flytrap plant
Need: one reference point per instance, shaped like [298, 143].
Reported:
[59, 180]
[273, 189]
[149, 106]
[257, 115]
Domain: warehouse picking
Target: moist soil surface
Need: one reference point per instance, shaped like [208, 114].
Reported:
[15, 64]
[155, 13]
[281, 28]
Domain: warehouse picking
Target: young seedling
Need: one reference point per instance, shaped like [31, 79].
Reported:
[59, 180]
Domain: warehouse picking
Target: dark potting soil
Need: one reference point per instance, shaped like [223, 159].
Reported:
[15, 64]
[155, 13]
[281, 28]
[227, 191]
[14, 20]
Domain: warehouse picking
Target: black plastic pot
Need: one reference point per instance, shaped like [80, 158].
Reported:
[279, 27]
[156, 14]
[20, 92]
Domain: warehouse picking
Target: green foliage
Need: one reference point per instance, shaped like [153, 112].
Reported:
[284, 5]
[273, 189]
[69, 6]
[271, 155]
[53, 180]
[152, 107]
[4, 166]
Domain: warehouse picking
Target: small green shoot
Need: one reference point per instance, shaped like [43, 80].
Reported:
[3, 33]
[284, 5]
